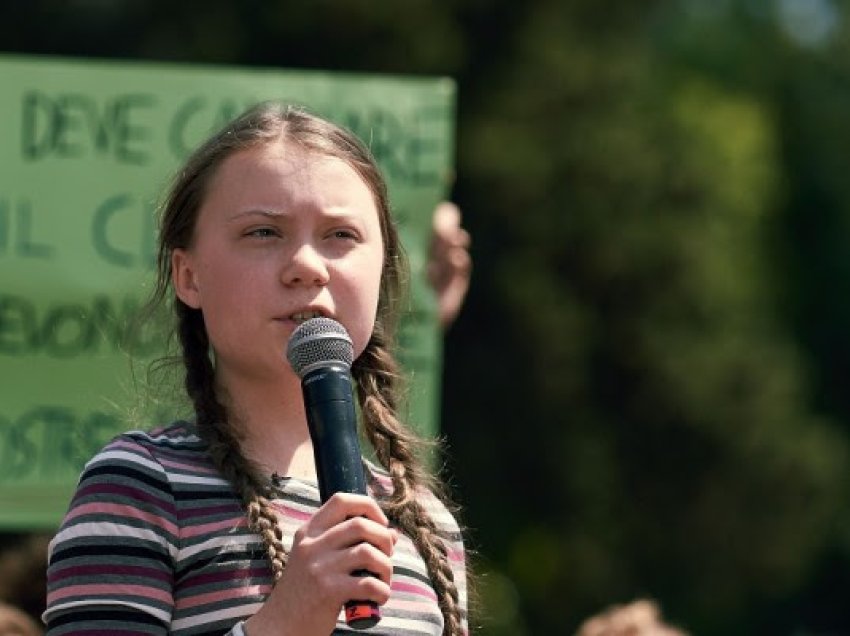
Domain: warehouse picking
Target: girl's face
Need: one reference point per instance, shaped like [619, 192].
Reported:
[282, 235]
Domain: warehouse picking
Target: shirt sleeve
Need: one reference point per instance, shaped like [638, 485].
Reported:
[111, 563]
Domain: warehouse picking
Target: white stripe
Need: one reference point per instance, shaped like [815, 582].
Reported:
[417, 626]
[168, 434]
[227, 542]
[238, 630]
[134, 458]
[210, 617]
[110, 530]
[203, 480]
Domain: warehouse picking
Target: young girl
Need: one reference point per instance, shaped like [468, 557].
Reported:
[215, 526]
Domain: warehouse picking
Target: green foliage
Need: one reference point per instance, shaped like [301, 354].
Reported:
[682, 457]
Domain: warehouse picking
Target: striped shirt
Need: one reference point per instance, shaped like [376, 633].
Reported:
[156, 542]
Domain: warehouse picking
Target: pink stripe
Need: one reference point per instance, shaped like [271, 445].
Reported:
[161, 458]
[111, 590]
[194, 531]
[94, 570]
[191, 467]
[122, 491]
[126, 512]
[385, 482]
[292, 513]
[223, 595]
[413, 589]
[413, 606]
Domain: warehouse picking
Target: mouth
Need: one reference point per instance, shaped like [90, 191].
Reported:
[300, 316]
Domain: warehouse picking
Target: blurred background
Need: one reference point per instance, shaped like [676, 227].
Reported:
[646, 394]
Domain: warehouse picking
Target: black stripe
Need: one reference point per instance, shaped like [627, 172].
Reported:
[413, 574]
[106, 550]
[104, 615]
[193, 493]
[220, 627]
[243, 558]
[113, 470]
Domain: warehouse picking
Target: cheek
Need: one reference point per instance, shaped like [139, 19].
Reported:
[361, 330]
[226, 295]
[363, 321]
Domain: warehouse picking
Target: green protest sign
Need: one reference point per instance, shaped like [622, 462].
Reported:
[86, 148]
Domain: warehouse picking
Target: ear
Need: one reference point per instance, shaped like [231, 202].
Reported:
[184, 278]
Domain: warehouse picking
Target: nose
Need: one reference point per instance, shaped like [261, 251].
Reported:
[306, 266]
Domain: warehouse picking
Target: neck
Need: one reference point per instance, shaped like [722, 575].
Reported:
[274, 426]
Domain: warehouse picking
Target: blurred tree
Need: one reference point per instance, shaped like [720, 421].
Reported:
[663, 405]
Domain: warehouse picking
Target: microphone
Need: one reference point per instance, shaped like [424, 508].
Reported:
[320, 352]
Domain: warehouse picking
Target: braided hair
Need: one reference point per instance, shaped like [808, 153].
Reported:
[375, 372]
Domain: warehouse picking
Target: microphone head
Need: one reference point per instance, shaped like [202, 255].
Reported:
[319, 342]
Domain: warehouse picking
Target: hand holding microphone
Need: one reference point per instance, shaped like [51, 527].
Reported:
[321, 353]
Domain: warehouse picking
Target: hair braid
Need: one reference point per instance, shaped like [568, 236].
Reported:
[223, 440]
[377, 376]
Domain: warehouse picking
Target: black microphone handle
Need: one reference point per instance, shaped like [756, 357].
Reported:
[332, 420]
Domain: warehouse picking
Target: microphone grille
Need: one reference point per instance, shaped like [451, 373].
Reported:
[318, 342]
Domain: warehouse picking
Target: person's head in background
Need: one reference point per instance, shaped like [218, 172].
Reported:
[16, 622]
[23, 561]
[283, 141]
[638, 618]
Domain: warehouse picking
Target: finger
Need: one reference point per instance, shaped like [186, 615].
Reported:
[370, 588]
[461, 238]
[453, 285]
[451, 264]
[451, 302]
[359, 529]
[362, 588]
[447, 232]
[460, 261]
[365, 557]
[446, 219]
[342, 506]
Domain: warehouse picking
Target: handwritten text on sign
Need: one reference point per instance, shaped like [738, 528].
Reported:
[86, 149]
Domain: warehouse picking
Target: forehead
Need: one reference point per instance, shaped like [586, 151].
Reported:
[277, 173]
[284, 163]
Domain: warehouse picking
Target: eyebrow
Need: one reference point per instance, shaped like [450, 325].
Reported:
[270, 214]
[334, 212]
